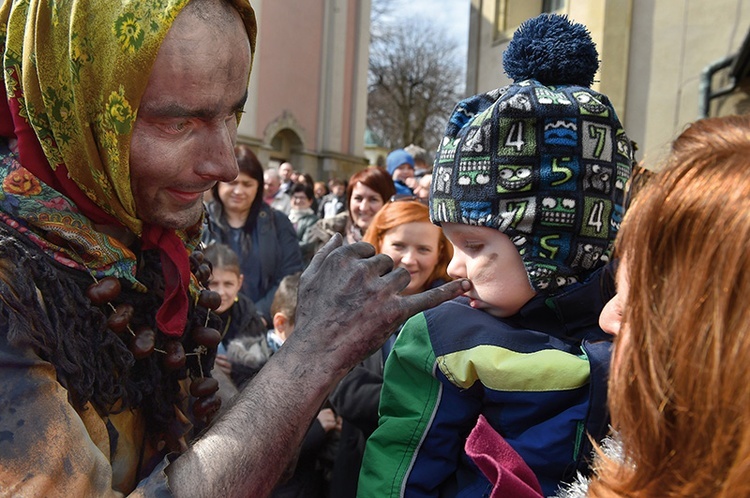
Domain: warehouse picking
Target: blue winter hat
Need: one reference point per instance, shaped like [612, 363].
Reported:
[544, 160]
[396, 159]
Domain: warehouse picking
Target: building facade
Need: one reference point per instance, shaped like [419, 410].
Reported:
[664, 63]
[308, 90]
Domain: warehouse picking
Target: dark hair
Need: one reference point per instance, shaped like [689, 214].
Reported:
[336, 181]
[304, 188]
[249, 164]
[374, 177]
[322, 184]
[308, 179]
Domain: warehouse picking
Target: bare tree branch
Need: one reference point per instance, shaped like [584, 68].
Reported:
[414, 82]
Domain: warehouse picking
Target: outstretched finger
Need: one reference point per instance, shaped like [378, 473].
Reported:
[432, 297]
[333, 243]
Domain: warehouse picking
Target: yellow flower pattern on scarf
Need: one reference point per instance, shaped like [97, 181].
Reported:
[82, 71]
[77, 70]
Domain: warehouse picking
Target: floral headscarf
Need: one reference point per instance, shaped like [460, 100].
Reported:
[74, 73]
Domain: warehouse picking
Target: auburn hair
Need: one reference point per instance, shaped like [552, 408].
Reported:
[399, 213]
[679, 390]
[375, 178]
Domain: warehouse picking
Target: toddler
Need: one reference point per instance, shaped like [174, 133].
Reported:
[528, 186]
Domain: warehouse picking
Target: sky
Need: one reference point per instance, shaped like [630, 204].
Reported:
[453, 15]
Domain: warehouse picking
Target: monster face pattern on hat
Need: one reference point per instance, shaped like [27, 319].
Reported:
[546, 165]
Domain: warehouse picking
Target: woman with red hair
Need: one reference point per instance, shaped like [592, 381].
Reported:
[403, 231]
[679, 389]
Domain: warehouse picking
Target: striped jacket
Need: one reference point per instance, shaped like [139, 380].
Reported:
[538, 377]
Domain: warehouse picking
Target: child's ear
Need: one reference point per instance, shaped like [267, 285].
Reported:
[242, 279]
[281, 324]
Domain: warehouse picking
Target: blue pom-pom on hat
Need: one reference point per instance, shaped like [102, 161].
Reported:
[552, 50]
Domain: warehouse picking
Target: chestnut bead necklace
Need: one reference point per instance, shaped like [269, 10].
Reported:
[142, 342]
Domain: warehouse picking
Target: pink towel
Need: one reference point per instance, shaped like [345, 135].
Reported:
[501, 464]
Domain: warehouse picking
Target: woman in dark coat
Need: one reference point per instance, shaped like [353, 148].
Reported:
[263, 237]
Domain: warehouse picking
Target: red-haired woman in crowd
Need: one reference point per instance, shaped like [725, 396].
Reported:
[680, 382]
[403, 231]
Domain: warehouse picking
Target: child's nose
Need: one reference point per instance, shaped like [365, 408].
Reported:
[457, 268]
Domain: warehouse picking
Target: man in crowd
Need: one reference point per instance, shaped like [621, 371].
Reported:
[335, 202]
[115, 118]
[272, 193]
[286, 173]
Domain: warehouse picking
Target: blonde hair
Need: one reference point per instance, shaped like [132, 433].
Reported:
[680, 392]
[399, 213]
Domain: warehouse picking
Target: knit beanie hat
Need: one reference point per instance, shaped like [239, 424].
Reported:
[396, 158]
[544, 160]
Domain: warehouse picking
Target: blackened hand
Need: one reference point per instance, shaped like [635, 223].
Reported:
[349, 303]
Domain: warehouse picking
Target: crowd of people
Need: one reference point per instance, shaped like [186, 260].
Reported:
[366, 207]
[527, 317]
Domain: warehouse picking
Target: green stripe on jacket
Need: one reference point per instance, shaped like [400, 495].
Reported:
[404, 420]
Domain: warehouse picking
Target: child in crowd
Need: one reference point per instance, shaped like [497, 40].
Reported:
[283, 310]
[529, 187]
[252, 351]
[334, 202]
[321, 190]
[238, 313]
[248, 353]
[310, 477]
[400, 166]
